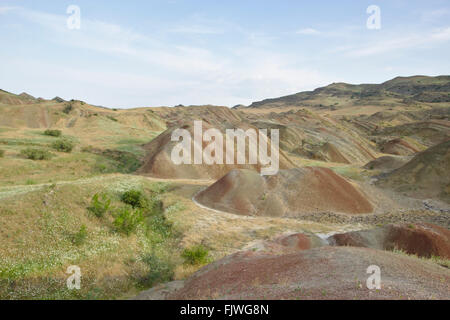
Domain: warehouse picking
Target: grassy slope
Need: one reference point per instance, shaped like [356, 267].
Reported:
[43, 204]
[39, 223]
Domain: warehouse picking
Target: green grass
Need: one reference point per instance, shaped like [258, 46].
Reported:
[127, 219]
[196, 255]
[100, 204]
[36, 154]
[80, 237]
[63, 145]
[161, 270]
[38, 215]
[53, 133]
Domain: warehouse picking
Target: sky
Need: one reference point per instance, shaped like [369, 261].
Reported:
[194, 52]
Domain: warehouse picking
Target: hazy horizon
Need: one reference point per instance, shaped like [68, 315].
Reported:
[166, 53]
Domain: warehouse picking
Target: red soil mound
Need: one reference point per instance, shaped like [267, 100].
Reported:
[289, 193]
[424, 240]
[398, 147]
[386, 163]
[297, 241]
[288, 244]
[320, 273]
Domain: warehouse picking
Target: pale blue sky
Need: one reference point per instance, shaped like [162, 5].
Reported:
[152, 53]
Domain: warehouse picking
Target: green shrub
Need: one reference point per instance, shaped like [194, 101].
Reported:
[63, 145]
[155, 206]
[68, 108]
[161, 187]
[36, 154]
[161, 270]
[100, 204]
[134, 198]
[53, 133]
[127, 219]
[160, 226]
[2, 153]
[112, 118]
[115, 160]
[79, 237]
[197, 254]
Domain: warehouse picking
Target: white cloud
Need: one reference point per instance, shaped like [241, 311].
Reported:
[188, 74]
[433, 15]
[196, 29]
[415, 40]
[308, 31]
[4, 10]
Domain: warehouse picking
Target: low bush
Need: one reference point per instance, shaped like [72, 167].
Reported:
[195, 255]
[112, 118]
[134, 198]
[79, 237]
[160, 227]
[161, 187]
[127, 219]
[36, 154]
[68, 108]
[2, 153]
[100, 204]
[160, 270]
[154, 207]
[115, 160]
[63, 145]
[53, 133]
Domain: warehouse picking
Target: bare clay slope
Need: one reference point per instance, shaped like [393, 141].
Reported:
[424, 239]
[290, 193]
[158, 162]
[427, 175]
[319, 273]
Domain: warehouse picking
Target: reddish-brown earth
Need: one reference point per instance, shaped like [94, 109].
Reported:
[288, 244]
[386, 163]
[398, 147]
[424, 240]
[289, 193]
[319, 273]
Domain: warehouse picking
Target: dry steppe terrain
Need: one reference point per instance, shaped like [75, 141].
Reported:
[364, 180]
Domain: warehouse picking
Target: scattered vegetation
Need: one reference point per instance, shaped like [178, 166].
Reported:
[63, 145]
[127, 219]
[112, 118]
[53, 133]
[442, 261]
[160, 270]
[100, 204]
[68, 108]
[36, 154]
[196, 255]
[80, 237]
[114, 160]
[134, 198]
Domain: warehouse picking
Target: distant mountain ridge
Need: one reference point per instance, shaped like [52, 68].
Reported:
[406, 90]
